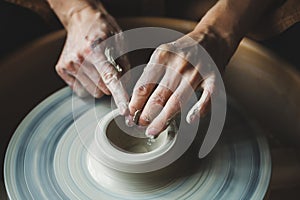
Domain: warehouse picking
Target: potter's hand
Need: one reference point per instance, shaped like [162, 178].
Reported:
[85, 63]
[170, 66]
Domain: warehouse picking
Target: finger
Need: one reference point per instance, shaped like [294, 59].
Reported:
[200, 108]
[203, 105]
[110, 78]
[66, 70]
[145, 86]
[88, 84]
[154, 105]
[79, 89]
[66, 73]
[85, 85]
[159, 97]
[90, 71]
[172, 107]
[69, 79]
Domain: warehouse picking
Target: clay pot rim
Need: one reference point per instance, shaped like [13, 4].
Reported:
[120, 160]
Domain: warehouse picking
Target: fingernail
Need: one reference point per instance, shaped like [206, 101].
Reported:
[128, 121]
[123, 108]
[152, 133]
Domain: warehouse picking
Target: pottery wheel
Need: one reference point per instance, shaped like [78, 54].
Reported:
[48, 158]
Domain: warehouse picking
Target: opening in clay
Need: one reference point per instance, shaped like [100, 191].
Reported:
[122, 137]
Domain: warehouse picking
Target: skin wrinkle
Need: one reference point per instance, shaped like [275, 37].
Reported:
[159, 96]
[142, 90]
[219, 33]
[109, 78]
[171, 80]
[190, 74]
[156, 103]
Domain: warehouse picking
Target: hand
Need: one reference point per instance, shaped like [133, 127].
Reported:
[176, 67]
[85, 63]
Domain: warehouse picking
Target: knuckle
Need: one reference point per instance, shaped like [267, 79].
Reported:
[159, 54]
[177, 101]
[79, 58]
[158, 100]
[132, 108]
[108, 77]
[164, 47]
[59, 69]
[69, 66]
[108, 74]
[142, 90]
[162, 54]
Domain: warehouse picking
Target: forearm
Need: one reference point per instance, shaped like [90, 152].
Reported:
[230, 21]
[66, 9]
[234, 17]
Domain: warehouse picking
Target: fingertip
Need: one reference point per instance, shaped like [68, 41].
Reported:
[129, 121]
[190, 119]
[152, 132]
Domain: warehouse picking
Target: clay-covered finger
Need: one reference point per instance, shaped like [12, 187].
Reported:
[172, 107]
[88, 84]
[154, 105]
[111, 79]
[79, 90]
[67, 71]
[200, 108]
[68, 78]
[203, 105]
[159, 97]
[83, 85]
[144, 86]
[90, 70]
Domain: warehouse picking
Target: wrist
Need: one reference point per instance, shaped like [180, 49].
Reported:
[80, 17]
[219, 44]
[66, 10]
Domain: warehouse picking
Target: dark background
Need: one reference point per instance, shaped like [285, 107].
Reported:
[19, 25]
